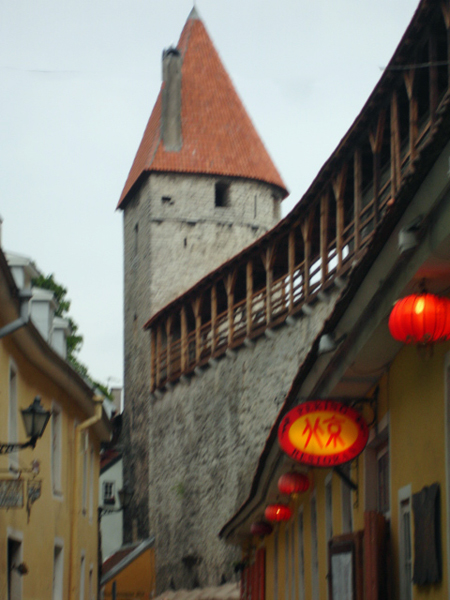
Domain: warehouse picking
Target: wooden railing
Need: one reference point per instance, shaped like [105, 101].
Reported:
[322, 238]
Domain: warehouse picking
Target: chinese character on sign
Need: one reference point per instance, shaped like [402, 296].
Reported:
[333, 431]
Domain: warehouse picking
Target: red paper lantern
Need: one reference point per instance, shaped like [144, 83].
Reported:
[293, 483]
[420, 319]
[278, 512]
[261, 528]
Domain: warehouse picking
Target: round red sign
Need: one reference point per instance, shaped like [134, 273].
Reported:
[323, 433]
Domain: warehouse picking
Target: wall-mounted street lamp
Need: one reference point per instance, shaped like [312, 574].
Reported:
[125, 495]
[35, 419]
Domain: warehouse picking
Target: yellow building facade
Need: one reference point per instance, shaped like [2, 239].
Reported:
[49, 494]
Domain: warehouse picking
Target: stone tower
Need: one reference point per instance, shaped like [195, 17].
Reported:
[201, 188]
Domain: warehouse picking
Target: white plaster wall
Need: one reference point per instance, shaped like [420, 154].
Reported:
[111, 525]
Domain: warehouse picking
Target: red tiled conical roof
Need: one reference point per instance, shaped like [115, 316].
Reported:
[218, 135]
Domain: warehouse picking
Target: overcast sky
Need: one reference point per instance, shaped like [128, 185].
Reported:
[78, 82]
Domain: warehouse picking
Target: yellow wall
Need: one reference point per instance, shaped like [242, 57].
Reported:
[137, 580]
[412, 397]
[50, 516]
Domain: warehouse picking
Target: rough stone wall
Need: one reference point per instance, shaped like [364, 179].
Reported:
[168, 245]
[191, 236]
[206, 435]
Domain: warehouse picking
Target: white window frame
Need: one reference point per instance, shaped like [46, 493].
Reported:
[405, 507]
[16, 536]
[56, 450]
[58, 570]
[82, 574]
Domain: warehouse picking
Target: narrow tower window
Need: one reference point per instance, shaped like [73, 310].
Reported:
[222, 194]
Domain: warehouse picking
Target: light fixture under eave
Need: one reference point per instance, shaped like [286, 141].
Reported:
[420, 319]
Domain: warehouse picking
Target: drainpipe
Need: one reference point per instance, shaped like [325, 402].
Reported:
[25, 297]
[76, 502]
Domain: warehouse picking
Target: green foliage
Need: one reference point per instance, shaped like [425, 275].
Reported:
[74, 339]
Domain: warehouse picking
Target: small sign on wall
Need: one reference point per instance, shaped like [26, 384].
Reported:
[11, 493]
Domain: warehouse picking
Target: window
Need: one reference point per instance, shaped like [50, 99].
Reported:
[222, 190]
[405, 548]
[314, 550]
[301, 556]
[56, 449]
[12, 417]
[14, 559]
[167, 200]
[82, 575]
[109, 492]
[58, 567]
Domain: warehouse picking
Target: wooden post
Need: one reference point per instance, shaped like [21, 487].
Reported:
[376, 143]
[152, 359]
[249, 299]
[184, 343]
[338, 188]
[413, 112]
[357, 168]
[196, 307]
[169, 346]
[268, 259]
[291, 266]
[213, 317]
[324, 222]
[395, 147]
[158, 354]
[434, 92]
[229, 284]
[306, 234]
[446, 14]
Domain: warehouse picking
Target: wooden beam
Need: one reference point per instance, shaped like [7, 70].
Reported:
[376, 143]
[306, 228]
[434, 92]
[357, 200]
[324, 224]
[291, 267]
[395, 146]
[339, 188]
[230, 283]
[169, 346]
[152, 360]
[213, 317]
[184, 340]
[196, 307]
[268, 260]
[158, 354]
[249, 298]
